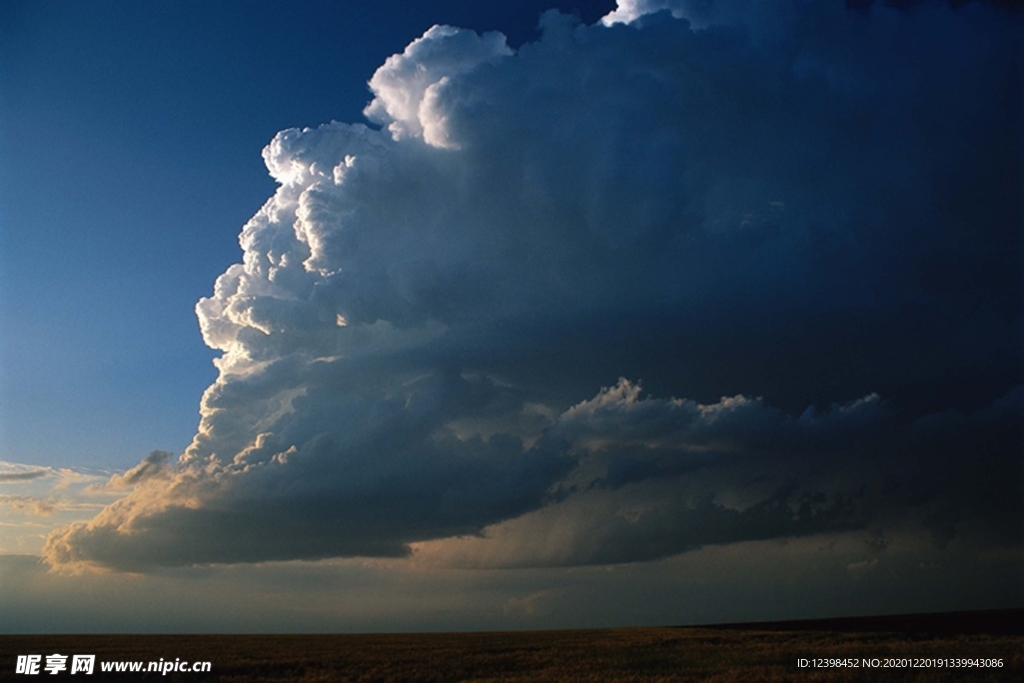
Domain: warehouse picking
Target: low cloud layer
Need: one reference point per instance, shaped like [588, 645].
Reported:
[812, 211]
[661, 477]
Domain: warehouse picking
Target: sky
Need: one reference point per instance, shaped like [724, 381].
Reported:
[443, 316]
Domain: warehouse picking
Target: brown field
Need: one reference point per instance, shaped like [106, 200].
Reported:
[740, 652]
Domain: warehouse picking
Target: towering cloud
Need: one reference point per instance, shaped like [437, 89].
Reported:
[813, 211]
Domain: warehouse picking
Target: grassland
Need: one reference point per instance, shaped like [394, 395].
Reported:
[756, 652]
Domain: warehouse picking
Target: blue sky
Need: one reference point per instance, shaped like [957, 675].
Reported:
[660, 312]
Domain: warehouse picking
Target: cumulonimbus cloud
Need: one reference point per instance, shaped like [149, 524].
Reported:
[804, 204]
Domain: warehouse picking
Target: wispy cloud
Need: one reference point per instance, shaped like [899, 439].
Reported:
[16, 472]
[35, 506]
[23, 476]
[38, 500]
[46, 507]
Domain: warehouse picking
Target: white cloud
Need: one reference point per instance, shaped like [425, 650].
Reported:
[411, 88]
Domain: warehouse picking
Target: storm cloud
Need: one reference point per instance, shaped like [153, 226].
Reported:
[798, 225]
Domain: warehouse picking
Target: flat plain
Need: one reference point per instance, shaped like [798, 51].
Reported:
[768, 651]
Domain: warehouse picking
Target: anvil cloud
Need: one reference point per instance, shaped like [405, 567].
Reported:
[798, 226]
